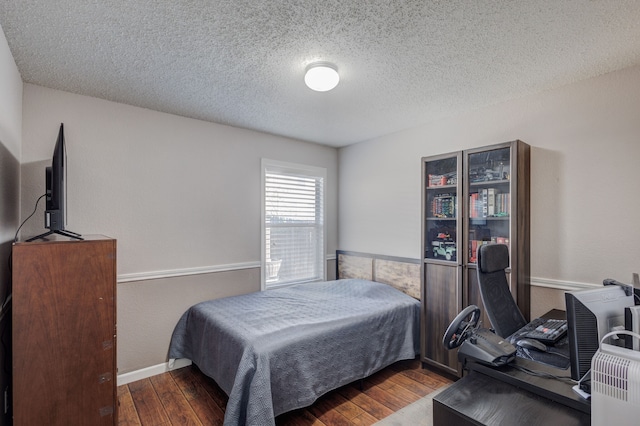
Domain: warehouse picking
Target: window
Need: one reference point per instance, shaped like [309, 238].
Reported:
[293, 233]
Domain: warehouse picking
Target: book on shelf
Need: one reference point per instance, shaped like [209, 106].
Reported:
[473, 250]
[489, 203]
[474, 244]
[475, 205]
[502, 204]
[444, 206]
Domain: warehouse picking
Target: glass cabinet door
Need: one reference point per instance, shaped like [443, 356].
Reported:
[441, 208]
[489, 203]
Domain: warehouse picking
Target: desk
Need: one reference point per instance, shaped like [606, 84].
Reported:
[478, 399]
[551, 389]
[509, 396]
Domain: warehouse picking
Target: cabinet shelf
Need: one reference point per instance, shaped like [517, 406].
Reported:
[484, 219]
[490, 182]
[441, 187]
[439, 261]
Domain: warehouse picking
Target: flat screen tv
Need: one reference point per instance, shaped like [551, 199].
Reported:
[56, 188]
[590, 315]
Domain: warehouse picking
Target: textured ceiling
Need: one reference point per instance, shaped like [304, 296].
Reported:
[241, 62]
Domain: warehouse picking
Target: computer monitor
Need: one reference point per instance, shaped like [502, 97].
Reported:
[590, 315]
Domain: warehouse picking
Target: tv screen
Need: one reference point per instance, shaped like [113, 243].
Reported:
[55, 218]
[590, 315]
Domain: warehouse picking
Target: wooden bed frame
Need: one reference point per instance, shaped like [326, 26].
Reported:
[399, 272]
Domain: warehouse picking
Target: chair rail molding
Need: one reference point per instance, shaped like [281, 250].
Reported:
[561, 285]
[181, 272]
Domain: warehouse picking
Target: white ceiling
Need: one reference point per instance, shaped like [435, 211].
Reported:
[241, 62]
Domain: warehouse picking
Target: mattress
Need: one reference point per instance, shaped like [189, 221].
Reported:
[278, 350]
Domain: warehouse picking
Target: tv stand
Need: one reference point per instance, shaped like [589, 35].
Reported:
[64, 232]
[64, 340]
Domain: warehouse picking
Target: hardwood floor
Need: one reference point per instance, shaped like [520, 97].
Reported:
[188, 397]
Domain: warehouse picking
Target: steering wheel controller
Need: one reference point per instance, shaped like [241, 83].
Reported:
[475, 343]
[461, 327]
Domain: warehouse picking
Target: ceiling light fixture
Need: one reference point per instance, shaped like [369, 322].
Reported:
[321, 76]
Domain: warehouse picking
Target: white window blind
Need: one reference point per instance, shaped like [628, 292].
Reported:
[293, 226]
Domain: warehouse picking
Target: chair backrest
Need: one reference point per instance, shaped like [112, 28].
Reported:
[499, 305]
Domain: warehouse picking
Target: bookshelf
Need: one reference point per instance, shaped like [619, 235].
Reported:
[473, 197]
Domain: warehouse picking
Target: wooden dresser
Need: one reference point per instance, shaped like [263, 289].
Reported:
[64, 332]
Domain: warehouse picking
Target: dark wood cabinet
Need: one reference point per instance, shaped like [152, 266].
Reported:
[441, 275]
[64, 332]
[441, 302]
[469, 198]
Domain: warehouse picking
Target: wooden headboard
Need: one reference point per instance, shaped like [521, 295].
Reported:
[399, 272]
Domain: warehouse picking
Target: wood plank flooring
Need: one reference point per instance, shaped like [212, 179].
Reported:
[188, 397]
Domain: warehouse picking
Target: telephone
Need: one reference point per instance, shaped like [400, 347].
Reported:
[477, 343]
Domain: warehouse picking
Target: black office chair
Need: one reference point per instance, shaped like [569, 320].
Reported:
[499, 305]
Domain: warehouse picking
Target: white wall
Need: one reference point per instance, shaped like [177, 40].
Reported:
[175, 192]
[10, 100]
[585, 175]
[10, 145]
[179, 195]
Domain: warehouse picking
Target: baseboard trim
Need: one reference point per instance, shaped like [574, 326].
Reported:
[154, 370]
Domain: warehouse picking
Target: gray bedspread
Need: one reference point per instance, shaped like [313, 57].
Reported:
[278, 350]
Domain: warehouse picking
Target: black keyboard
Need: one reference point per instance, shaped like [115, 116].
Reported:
[547, 331]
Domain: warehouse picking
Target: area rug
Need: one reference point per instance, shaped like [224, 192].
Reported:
[419, 413]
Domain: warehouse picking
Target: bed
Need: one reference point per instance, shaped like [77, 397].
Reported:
[279, 350]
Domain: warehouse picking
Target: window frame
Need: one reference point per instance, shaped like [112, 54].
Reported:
[292, 169]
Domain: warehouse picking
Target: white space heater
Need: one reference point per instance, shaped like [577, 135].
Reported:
[615, 384]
